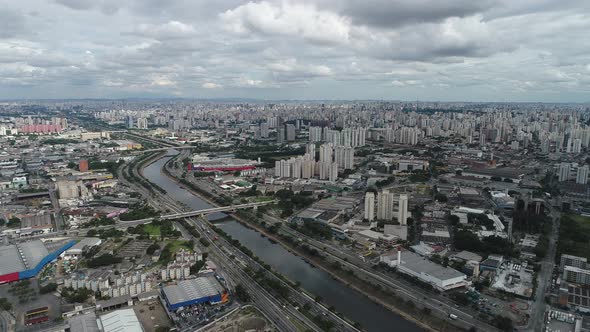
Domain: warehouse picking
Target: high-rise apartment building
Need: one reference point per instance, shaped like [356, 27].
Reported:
[315, 134]
[582, 176]
[344, 156]
[142, 123]
[564, 172]
[369, 206]
[385, 205]
[402, 213]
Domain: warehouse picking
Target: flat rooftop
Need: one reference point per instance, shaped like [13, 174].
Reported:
[123, 320]
[506, 172]
[420, 264]
[24, 256]
[84, 323]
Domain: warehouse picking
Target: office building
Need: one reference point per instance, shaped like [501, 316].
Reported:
[289, 132]
[264, 130]
[130, 121]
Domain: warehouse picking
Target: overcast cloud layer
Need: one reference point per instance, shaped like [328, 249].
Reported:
[484, 50]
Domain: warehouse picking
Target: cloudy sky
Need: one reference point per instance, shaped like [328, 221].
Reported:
[483, 50]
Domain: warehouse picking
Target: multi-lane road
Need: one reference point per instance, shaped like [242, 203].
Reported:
[281, 313]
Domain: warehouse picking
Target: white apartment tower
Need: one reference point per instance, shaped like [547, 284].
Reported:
[582, 176]
[369, 206]
[564, 172]
[577, 147]
[345, 157]
[385, 205]
[315, 134]
[326, 152]
[142, 123]
[402, 213]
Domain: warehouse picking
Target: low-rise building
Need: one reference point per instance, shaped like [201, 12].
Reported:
[440, 277]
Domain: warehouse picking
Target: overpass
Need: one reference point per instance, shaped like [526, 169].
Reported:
[231, 208]
[203, 212]
[125, 224]
[171, 147]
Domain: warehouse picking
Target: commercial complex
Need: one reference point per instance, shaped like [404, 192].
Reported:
[185, 293]
[440, 277]
[25, 260]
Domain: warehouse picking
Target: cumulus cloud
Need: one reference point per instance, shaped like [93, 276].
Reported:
[399, 49]
[396, 13]
[287, 19]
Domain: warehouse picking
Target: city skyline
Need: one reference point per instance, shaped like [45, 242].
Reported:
[499, 51]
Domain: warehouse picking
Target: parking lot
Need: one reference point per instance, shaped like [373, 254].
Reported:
[135, 248]
[515, 309]
[200, 314]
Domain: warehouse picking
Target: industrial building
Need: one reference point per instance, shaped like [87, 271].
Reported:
[442, 278]
[206, 164]
[75, 252]
[120, 320]
[25, 260]
[194, 291]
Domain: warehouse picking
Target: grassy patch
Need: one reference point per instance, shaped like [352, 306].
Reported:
[262, 199]
[177, 244]
[151, 229]
[167, 254]
[574, 235]
[583, 220]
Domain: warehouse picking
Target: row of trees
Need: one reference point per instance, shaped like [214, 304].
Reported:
[467, 240]
[143, 212]
[103, 260]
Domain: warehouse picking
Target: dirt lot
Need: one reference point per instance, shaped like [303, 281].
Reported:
[151, 315]
[245, 319]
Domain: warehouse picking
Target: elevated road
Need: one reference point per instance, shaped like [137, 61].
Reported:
[230, 208]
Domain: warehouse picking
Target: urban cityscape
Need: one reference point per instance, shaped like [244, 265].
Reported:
[294, 166]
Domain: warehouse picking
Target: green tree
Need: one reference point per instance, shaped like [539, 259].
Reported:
[242, 294]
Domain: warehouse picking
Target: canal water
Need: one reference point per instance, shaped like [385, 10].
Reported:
[351, 303]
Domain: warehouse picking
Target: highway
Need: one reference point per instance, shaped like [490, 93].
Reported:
[278, 313]
[297, 295]
[544, 278]
[438, 304]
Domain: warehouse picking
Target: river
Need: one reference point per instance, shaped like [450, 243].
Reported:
[349, 302]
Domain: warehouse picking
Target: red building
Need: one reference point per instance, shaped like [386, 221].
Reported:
[83, 165]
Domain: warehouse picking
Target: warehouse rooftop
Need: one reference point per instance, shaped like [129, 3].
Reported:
[191, 289]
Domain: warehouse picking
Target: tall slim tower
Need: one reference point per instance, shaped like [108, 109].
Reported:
[385, 205]
[402, 214]
[369, 206]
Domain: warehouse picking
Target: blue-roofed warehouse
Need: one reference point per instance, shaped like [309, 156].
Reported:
[193, 291]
